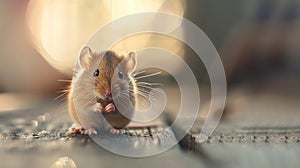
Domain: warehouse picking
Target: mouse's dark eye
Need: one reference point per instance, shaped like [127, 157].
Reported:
[120, 75]
[96, 72]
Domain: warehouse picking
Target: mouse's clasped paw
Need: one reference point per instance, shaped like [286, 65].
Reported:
[98, 108]
[110, 107]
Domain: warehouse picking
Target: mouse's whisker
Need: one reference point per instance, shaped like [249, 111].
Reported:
[146, 95]
[140, 69]
[126, 95]
[138, 73]
[123, 100]
[61, 95]
[122, 95]
[63, 91]
[144, 103]
[123, 92]
[141, 94]
[148, 75]
[143, 91]
[148, 87]
[139, 91]
[144, 99]
[150, 84]
[64, 80]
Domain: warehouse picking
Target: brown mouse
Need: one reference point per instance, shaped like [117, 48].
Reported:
[99, 80]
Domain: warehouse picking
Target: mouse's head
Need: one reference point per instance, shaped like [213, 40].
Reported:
[110, 71]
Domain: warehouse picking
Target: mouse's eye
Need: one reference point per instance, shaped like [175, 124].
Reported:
[120, 75]
[96, 73]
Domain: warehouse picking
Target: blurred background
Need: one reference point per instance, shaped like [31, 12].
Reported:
[258, 41]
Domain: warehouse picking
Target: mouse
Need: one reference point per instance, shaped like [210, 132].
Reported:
[100, 79]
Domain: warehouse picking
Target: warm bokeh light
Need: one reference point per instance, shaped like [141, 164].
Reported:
[60, 27]
[16, 101]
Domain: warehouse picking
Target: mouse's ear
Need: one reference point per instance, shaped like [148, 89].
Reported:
[85, 57]
[130, 61]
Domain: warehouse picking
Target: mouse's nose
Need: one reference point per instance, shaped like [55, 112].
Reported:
[108, 93]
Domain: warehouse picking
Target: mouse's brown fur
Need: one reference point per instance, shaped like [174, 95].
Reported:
[107, 66]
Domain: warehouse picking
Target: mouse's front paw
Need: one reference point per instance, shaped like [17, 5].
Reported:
[98, 108]
[110, 107]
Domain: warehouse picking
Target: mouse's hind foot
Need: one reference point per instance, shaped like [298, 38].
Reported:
[75, 128]
[78, 129]
[117, 131]
[89, 131]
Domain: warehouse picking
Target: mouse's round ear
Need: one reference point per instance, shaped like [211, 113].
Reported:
[85, 57]
[130, 61]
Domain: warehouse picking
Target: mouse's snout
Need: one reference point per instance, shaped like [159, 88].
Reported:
[106, 99]
[107, 93]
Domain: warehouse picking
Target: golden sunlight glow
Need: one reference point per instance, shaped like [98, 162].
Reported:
[16, 101]
[59, 28]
